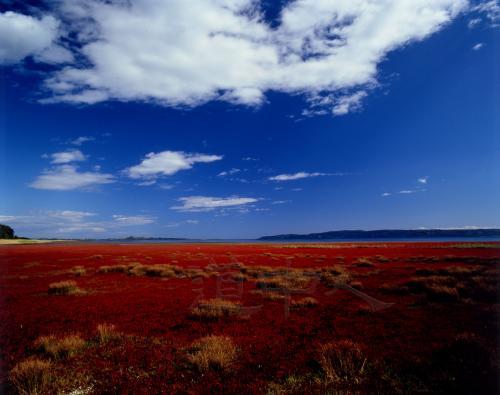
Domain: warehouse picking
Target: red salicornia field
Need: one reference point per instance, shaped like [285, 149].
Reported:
[236, 318]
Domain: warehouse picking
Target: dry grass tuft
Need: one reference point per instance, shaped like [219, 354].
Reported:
[304, 302]
[138, 269]
[442, 293]
[168, 271]
[240, 277]
[364, 262]
[67, 287]
[342, 363]
[31, 376]
[215, 309]
[79, 271]
[291, 385]
[435, 288]
[98, 256]
[107, 333]
[381, 259]
[60, 347]
[213, 353]
[113, 269]
[258, 271]
[269, 295]
[193, 273]
[335, 276]
[294, 280]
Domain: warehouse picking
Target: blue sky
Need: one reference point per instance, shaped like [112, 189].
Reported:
[147, 120]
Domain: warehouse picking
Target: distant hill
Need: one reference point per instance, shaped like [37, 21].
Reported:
[388, 234]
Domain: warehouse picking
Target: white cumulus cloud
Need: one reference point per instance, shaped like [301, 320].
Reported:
[24, 35]
[207, 203]
[296, 176]
[68, 177]
[186, 53]
[166, 163]
[67, 157]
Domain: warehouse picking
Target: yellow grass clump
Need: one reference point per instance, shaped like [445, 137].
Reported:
[107, 333]
[68, 287]
[342, 363]
[287, 282]
[215, 309]
[31, 376]
[304, 302]
[240, 277]
[213, 353]
[269, 295]
[154, 270]
[60, 347]
[97, 256]
[364, 262]
[79, 271]
[113, 269]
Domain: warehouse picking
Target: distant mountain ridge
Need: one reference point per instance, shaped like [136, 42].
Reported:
[387, 234]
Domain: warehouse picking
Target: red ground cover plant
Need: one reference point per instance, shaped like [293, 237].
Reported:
[424, 317]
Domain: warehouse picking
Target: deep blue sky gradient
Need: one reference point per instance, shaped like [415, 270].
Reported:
[435, 115]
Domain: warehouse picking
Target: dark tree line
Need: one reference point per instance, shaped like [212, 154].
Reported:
[6, 232]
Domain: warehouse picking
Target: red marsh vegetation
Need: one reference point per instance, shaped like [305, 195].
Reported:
[236, 318]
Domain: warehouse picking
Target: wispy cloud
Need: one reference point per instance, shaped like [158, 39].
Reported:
[419, 187]
[340, 104]
[491, 9]
[133, 219]
[67, 157]
[406, 191]
[166, 187]
[81, 140]
[68, 177]
[167, 163]
[473, 23]
[146, 183]
[281, 201]
[477, 47]
[70, 215]
[228, 172]
[300, 175]
[207, 203]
